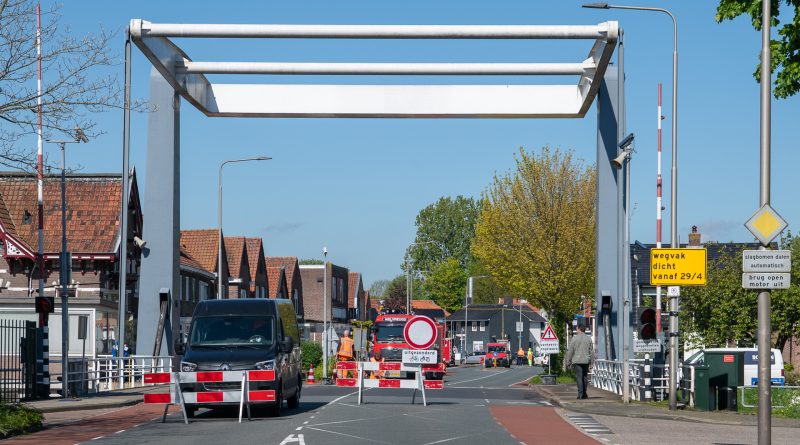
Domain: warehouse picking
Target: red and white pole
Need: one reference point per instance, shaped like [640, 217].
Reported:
[658, 210]
[39, 167]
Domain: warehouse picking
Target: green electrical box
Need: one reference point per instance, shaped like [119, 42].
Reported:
[705, 398]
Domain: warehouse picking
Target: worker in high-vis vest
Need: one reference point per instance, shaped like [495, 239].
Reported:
[346, 351]
[530, 357]
[520, 356]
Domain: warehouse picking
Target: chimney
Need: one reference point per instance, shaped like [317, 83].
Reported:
[694, 238]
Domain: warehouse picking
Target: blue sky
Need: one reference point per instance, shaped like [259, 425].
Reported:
[356, 185]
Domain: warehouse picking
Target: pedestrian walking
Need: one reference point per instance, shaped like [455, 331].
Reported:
[530, 356]
[580, 355]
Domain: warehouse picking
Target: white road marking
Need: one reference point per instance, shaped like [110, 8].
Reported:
[98, 437]
[305, 423]
[120, 431]
[486, 400]
[299, 428]
[479, 378]
[346, 435]
[447, 440]
[292, 439]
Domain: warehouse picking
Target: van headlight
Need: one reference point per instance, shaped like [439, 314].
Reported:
[268, 365]
[188, 366]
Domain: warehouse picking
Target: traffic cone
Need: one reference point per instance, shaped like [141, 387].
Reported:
[310, 380]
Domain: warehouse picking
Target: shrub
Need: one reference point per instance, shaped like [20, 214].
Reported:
[18, 419]
[312, 354]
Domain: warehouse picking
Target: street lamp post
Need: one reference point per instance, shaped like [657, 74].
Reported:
[65, 264]
[673, 303]
[219, 219]
[325, 342]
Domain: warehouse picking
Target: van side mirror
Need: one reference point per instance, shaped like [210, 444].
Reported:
[287, 345]
[180, 346]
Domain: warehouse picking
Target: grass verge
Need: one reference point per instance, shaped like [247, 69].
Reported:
[18, 419]
[562, 379]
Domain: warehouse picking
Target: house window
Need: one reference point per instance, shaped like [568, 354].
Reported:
[242, 293]
[203, 291]
[482, 326]
[474, 326]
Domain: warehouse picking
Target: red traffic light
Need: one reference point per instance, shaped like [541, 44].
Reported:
[45, 305]
[647, 324]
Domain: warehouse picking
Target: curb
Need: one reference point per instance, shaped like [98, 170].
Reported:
[85, 407]
[599, 411]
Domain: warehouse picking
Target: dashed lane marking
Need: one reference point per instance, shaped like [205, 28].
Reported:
[447, 440]
[347, 435]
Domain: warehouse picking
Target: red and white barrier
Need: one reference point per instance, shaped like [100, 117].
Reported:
[242, 395]
[418, 383]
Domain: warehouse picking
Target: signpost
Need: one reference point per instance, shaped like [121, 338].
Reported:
[548, 344]
[766, 269]
[678, 267]
[640, 345]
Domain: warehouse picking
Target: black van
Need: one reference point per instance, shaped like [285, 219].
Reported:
[244, 334]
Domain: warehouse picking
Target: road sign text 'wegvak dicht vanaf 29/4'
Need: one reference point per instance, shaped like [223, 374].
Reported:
[678, 267]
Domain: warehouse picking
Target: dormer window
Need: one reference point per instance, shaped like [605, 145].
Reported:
[27, 217]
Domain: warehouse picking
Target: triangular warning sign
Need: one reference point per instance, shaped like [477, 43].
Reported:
[549, 334]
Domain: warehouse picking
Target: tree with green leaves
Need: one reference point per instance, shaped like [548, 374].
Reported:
[445, 229]
[445, 284]
[395, 295]
[378, 288]
[722, 313]
[536, 232]
[785, 50]
[310, 262]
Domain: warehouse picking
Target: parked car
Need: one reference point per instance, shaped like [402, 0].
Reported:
[750, 363]
[497, 355]
[474, 358]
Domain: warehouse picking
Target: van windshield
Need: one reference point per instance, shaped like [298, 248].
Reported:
[494, 348]
[233, 330]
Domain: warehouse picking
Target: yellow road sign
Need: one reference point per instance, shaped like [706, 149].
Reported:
[766, 224]
[678, 267]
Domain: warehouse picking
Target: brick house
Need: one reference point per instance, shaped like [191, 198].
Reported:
[238, 267]
[294, 282]
[197, 284]
[92, 229]
[355, 297]
[258, 267]
[277, 282]
[313, 278]
[201, 245]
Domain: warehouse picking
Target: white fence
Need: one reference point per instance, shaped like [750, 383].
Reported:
[607, 375]
[106, 373]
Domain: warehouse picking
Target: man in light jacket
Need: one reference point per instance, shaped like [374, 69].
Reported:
[580, 354]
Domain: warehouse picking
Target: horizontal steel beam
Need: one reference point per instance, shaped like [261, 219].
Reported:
[394, 101]
[288, 68]
[141, 28]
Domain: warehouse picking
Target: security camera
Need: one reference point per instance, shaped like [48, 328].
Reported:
[140, 243]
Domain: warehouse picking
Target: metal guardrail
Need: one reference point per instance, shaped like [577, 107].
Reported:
[772, 388]
[106, 373]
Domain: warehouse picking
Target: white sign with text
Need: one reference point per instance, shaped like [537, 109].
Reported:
[419, 357]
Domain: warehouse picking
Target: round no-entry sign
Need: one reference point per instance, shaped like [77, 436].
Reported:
[420, 332]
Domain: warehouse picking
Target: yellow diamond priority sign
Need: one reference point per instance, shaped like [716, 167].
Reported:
[766, 224]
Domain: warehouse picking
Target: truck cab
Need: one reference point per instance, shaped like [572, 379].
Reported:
[497, 354]
[389, 342]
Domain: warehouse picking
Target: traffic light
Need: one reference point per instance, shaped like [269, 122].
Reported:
[647, 324]
[45, 305]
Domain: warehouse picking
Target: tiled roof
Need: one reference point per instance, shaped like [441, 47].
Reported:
[254, 252]
[188, 261]
[274, 280]
[289, 264]
[353, 279]
[202, 245]
[424, 304]
[234, 249]
[92, 210]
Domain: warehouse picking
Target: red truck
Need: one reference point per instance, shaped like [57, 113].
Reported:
[389, 343]
[497, 355]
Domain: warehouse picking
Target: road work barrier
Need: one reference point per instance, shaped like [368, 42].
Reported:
[379, 369]
[241, 394]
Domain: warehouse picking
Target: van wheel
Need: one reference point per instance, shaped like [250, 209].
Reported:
[275, 410]
[294, 401]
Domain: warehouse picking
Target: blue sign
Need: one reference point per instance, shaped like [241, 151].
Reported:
[779, 381]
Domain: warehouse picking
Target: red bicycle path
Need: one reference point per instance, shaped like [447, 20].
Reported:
[533, 425]
[89, 428]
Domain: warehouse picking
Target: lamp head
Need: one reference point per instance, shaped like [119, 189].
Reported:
[324, 250]
[595, 5]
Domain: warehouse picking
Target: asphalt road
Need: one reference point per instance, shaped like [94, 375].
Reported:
[460, 413]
